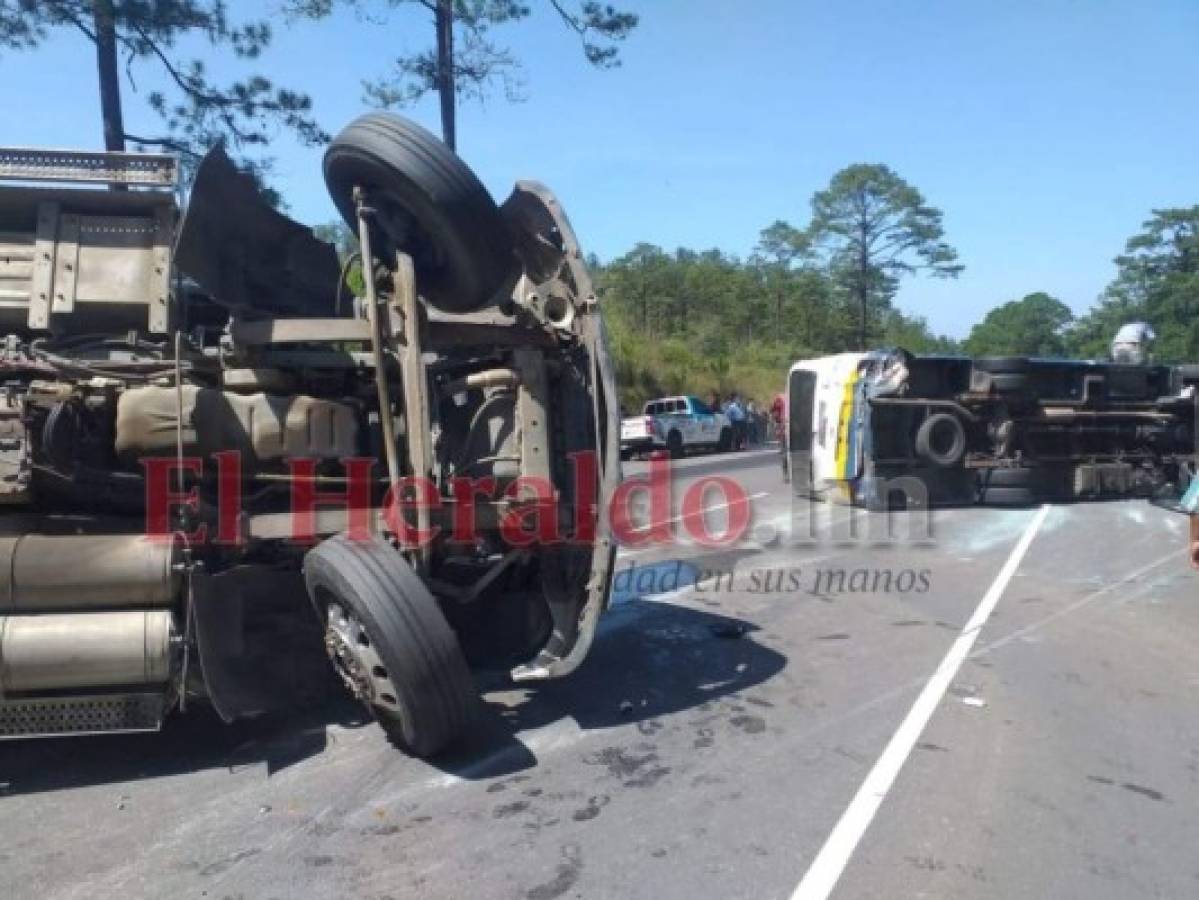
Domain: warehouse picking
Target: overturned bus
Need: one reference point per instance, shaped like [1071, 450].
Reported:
[887, 429]
[202, 426]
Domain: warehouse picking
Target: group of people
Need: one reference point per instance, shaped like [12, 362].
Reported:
[750, 424]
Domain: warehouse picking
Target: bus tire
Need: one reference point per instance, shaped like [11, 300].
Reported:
[941, 440]
[1008, 496]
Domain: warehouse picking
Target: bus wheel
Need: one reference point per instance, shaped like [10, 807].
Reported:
[941, 440]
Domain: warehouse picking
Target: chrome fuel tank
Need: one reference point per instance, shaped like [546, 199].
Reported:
[62, 651]
[43, 573]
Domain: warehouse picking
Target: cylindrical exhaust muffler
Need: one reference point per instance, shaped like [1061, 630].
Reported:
[60, 651]
[43, 573]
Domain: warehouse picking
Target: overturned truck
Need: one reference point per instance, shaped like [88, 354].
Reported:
[887, 429]
[216, 457]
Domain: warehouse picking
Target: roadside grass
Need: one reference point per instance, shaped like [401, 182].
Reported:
[649, 367]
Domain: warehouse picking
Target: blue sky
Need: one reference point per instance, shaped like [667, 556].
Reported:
[1046, 131]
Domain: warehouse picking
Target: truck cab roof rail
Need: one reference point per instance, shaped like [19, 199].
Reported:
[88, 167]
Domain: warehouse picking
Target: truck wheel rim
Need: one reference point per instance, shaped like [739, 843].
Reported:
[353, 655]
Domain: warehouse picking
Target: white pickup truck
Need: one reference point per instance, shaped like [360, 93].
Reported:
[677, 425]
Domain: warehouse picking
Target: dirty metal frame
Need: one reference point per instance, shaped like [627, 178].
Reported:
[410, 329]
[407, 339]
[403, 338]
[63, 234]
[564, 653]
[387, 424]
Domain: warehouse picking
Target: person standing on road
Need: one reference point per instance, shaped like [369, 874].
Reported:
[778, 422]
[736, 416]
[778, 416]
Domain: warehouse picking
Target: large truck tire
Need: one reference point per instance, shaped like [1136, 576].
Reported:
[390, 643]
[427, 203]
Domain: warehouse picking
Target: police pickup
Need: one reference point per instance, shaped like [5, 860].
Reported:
[676, 425]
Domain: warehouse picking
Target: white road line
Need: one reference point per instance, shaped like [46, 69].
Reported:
[706, 510]
[830, 862]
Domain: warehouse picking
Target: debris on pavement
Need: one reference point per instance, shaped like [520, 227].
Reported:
[729, 630]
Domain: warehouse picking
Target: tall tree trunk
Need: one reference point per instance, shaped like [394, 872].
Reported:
[863, 294]
[863, 300]
[445, 71]
[104, 21]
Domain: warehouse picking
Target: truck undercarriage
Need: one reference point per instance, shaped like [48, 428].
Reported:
[214, 451]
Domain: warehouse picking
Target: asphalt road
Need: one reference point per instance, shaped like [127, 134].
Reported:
[999, 703]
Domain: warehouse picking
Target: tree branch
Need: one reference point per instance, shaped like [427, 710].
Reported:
[78, 23]
[185, 84]
[168, 143]
[571, 20]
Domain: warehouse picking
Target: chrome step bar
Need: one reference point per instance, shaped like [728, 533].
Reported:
[61, 716]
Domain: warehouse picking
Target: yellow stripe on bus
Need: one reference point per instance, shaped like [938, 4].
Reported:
[844, 423]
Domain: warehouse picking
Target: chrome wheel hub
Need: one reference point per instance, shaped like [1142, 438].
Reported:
[353, 655]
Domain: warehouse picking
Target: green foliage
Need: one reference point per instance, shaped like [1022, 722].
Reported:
[913, 334]
[874, 228]
[688, 322]
[1157, 281]
[702, 322]
[1033, 326]
[345, 242]
[697, 323]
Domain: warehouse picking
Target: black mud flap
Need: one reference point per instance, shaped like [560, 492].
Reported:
[246, 254]
[258, 641]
